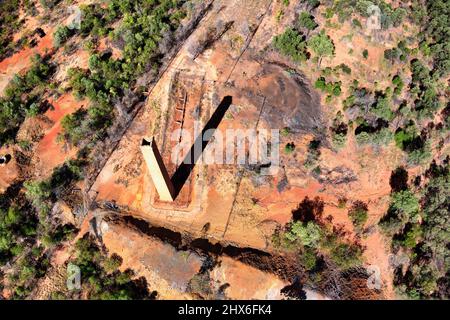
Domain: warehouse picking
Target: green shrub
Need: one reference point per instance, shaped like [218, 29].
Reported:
[308, 258]
[61, 35]
[306, 21]
[291, 44]
[112, 263]
[285, 131]
[322, 46]
[313, 153]
[438, 33]
[309, 234]
[412, 236]
[404, 201]
[362, 7]
[201, 285]
[21, 97]
[345, 68]
[356, 23]
[100, 283]
[339, 140]
[49, 4]
[382, 109]
[363, 138]
[332, 88]
[320, 84]
[405, 136]
[365, 54]
[382, 137]
[392, 54]
[342, 202]
[289, 148]
[358, 215]
[379, 137]
[72, 126]
[9, 20]
[346, 256]
[313, 4]
[420, 156]
[398, 83]
[427, 269]
[38, 192]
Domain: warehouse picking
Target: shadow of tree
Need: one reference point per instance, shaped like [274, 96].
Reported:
[399, 179]
[309, 210]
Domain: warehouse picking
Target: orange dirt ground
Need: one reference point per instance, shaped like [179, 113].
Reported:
[238, 206]
[242, 221]
[49, 153]
[21, 60]
[8, 172]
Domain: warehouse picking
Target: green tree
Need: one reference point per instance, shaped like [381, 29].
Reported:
[291, 44]
[313, 4]
[427, 242]
[305, 20]
[346, 255]
[101, 279]
[382, 109]
[362, 7]
[322, 46]
[406, 202]
[309, 234]
[38, 192]
[61, 35]
[365, 54]
[358, 215]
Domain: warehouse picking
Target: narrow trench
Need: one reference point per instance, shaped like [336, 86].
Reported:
[336, 285]
[283, 266]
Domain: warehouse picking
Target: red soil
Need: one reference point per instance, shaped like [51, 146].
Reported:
[21, 60]
[49, 153]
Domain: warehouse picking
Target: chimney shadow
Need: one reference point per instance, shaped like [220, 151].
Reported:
[182, 173]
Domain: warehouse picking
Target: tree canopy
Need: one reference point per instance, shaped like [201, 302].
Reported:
[321, 45]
